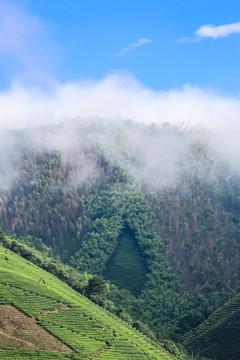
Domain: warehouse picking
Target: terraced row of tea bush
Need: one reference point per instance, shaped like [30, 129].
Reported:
[29, 302]
[11, 354]
[84, 327]
[97, 332]
[128, 261]
[219, 336]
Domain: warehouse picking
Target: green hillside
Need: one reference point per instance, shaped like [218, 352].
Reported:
[32, 300]
[219, 336]
[80, 191]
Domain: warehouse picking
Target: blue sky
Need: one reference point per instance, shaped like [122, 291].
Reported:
[153, 61]
[162, 43]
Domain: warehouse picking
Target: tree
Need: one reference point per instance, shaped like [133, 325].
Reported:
[96, 286]
[2, 235]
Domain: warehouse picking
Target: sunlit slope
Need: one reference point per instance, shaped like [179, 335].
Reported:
[86, 329]
[219, 336]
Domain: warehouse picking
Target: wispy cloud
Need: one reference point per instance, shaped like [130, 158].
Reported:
[214, 32]
[189, 40]
[133, 46]
[24, 43]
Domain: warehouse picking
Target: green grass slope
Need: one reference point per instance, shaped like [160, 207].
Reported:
[86, 329]
[128, 262]
[219, 336]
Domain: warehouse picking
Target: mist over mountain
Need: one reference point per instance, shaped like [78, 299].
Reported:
[91, 188]
[120, 172]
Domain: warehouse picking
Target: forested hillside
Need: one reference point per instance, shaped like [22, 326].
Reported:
[162, 225]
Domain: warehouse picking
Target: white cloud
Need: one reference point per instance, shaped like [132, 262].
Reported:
[117, 96]
[218, 31]
[24, 42]
[212, 31]
[133, 46]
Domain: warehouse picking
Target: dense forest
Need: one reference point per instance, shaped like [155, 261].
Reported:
[163, 229]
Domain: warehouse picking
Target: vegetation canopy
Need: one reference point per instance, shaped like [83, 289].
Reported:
[145, 219]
